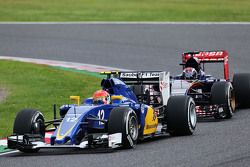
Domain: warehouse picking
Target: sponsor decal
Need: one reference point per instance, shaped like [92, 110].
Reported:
[226, 60]
[207, 56]
[151, 126]
[142, 108]
[150, 74]
[139, 74]
[156, 113]
[128, 75]
[163, 85]
[71, 119]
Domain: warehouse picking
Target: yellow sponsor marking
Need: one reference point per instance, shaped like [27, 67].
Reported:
[151, 122]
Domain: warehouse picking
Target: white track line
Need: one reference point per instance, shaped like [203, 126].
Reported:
[78, 66]
[129, 23]
[10, 152]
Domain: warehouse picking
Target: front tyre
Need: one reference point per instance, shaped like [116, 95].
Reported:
[181, 115]
[29, 121]
[124, 120]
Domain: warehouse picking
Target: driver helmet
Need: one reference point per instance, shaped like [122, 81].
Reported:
[193, 62]
[101, 97]
[190, 73]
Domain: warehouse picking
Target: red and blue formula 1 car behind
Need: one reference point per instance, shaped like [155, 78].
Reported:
[124, 111]
[214, 97]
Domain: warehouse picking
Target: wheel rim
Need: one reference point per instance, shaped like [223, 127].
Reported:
[133, 130]
[37, 127]
[193, 117]
[232, 102]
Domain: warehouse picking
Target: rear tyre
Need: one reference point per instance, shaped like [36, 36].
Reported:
[180, 115]
[29, 121]
[241, 84]
[222, 93]
[124, 120]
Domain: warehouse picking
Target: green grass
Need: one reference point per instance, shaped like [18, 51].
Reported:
[39, 87]
[125, 10]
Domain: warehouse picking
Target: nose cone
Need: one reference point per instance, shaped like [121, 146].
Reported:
[64, 132]
[70, 124]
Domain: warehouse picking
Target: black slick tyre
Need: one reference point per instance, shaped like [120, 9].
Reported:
[29, 121]
[222, 94]
[180, 115]
[241, 84]
[124, 120]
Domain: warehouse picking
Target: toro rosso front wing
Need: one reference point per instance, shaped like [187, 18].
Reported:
[203, 111]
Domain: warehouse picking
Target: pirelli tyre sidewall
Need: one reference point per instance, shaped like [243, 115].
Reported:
[124, 120]
[180, 115]
[29, 121]
[222, 94]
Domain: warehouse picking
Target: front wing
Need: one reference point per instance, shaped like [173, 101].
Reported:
[33, 141]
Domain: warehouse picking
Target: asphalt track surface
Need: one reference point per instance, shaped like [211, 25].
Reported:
[140, 47]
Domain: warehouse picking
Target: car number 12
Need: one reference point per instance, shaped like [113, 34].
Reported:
[101, 116]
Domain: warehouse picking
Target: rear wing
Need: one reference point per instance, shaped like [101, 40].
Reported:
[220, 56]
[150, 83]
[156, 82]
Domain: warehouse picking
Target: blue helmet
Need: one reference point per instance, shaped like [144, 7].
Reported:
[190, 73]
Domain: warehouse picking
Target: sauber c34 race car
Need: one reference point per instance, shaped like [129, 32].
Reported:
[130, 107]
[214, 97]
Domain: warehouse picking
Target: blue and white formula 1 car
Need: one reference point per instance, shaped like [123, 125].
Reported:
[214, 97]
[135, 111]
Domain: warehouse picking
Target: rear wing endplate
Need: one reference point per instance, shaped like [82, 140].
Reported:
[164, 80]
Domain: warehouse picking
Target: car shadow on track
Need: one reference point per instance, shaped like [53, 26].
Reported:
[63, 151]
[150, 139]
